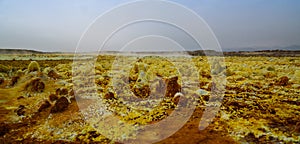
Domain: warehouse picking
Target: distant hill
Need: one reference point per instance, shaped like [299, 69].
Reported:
[273, 53]
[288, 48]
[19, 51]
[293, 47]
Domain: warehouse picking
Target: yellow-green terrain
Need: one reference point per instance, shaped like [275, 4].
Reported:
[46, 98]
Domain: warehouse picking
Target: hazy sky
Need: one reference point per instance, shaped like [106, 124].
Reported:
[57, 25]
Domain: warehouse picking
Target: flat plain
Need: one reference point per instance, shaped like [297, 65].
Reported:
[46, 98]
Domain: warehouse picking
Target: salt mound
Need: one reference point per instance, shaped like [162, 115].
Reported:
[33, 66]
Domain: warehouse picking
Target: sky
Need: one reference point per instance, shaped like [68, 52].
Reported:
[57, 25]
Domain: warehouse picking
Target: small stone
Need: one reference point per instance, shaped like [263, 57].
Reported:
[172, 87]
[205, 97]
[35, 85]
[60, 105]
[20, 110]
[283, 81]
[61, 91]
[109, 95]
[20, 97]
[53, 74]
[176, 98]
[53, 97]
[44, 106]
[272, 111]
[93, 134]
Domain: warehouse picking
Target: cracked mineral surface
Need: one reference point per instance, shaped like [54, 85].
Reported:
[261, 102]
